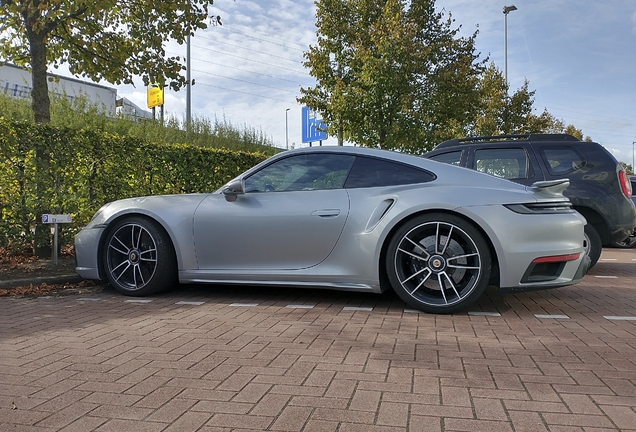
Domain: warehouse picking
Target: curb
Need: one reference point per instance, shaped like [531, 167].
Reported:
[60, 279]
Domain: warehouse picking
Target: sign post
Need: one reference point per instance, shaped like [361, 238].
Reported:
[56, 219]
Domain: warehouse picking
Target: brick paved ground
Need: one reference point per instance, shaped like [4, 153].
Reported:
[247, 359]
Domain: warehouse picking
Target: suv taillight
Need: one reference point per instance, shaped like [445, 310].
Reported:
[626, 185]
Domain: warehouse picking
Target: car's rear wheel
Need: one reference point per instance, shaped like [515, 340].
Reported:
[592, 244]
[438, 263]
[138, 257]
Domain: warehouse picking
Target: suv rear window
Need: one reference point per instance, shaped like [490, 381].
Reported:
[562, 160]
[508, 163]
[452, 158]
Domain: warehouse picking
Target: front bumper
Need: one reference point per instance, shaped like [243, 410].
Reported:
[87, 252]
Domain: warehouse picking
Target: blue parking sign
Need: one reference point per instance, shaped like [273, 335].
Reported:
[314, 129]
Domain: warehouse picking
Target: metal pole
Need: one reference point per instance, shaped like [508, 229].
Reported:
[506, 47]
[188, 86]
[55, 258]
[506, 11]
[633, 169]
[286, 130]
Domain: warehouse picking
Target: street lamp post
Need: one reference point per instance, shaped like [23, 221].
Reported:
[506, 11]
[188, 89]
[286, 130]
[633, 169]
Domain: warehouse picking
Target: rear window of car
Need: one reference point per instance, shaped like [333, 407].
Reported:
[453, 157]
[508, 163]
[562, 160]
[370, 172]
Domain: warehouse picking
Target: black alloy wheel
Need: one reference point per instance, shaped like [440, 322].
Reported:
[438, 263]
[138, 257]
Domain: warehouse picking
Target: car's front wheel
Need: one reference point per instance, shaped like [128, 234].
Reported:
[438, 263]
[138, 257]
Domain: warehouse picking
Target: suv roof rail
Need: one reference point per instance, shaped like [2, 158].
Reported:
[495, 138]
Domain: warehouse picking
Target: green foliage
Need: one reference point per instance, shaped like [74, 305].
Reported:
[113, 40]
[391, 73]
[81, 114]
[394, 74]
[203, 132]
[499, 113]
[88, 167]
[502, 114]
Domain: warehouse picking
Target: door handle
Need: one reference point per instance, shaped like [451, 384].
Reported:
[326, 213]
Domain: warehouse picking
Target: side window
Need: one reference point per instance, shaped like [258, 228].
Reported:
[562, 160]
[508, 163]
[302, 172]
[370, 172]
[452, 158]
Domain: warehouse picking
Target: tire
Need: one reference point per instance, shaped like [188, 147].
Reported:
[138, 257]
[433, 274]
[628, 243]
[592, 244]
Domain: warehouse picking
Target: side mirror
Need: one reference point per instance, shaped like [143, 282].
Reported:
[233, 189]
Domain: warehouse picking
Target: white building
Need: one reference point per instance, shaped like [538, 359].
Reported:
[16, 82]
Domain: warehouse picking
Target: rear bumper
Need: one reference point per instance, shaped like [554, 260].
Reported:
[583, 267]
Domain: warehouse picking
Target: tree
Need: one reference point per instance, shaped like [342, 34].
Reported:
[498, 113]
[502, 114]
[391, 73]
[112, 40]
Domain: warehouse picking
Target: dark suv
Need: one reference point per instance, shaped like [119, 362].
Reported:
[599, 188]
[629, 242]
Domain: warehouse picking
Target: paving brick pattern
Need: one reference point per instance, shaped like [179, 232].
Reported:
[239, 359]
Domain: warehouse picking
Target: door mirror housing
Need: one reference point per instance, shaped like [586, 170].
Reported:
[233, 189]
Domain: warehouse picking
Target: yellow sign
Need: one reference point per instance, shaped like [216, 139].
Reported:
[155, 95]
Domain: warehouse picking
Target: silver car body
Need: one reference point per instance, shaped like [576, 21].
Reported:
[334, 238]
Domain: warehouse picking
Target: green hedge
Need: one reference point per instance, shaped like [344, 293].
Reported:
[44, 169]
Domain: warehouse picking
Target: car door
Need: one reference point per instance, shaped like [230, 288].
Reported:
[290, 217]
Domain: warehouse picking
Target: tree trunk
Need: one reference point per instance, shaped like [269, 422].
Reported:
[40, 101]
[41, 106]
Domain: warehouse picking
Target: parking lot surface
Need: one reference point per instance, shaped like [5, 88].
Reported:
[205, 358]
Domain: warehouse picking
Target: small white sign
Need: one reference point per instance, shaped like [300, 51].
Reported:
[56, 218]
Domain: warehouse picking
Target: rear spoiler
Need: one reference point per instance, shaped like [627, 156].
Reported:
[550, 188]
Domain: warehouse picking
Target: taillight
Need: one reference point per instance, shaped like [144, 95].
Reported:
[556, 258]
[626, 186]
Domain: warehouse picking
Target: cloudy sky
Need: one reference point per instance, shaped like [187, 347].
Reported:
[579, 56]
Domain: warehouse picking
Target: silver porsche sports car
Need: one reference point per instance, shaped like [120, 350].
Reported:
[344, 218]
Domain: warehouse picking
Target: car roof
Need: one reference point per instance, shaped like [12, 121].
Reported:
[507, 139]
[359, 151]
